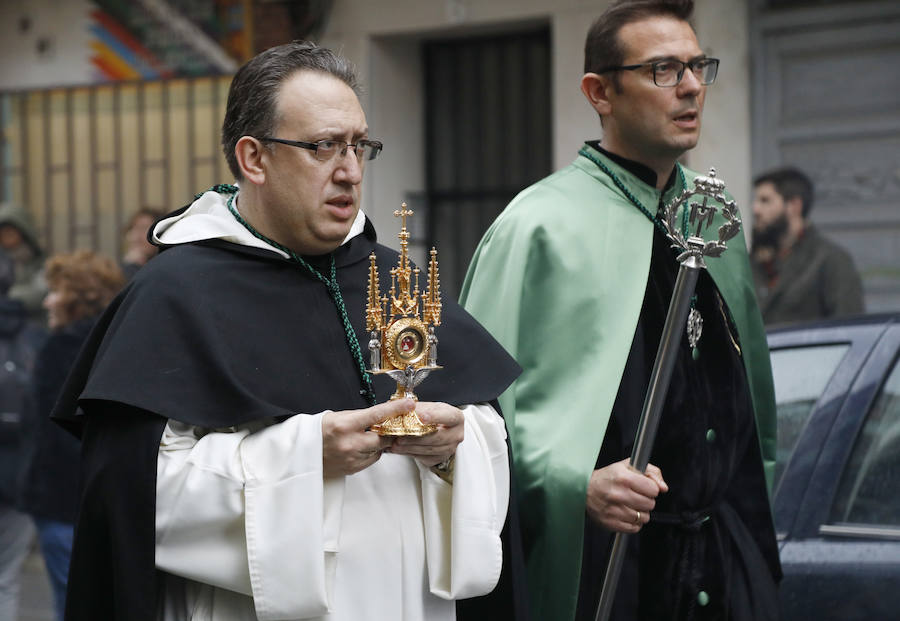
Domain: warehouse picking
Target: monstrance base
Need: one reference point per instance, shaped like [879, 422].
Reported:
[404, 425]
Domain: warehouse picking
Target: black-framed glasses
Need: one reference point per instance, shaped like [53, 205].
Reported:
[365, 150]
[669, 72]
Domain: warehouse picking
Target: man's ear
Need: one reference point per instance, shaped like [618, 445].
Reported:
[250, 154]
[794, 208]
[596, 89]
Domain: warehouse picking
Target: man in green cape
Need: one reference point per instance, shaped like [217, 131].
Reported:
[574, 279]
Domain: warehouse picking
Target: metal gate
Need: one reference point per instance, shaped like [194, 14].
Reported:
[81, 160]
[488, 129]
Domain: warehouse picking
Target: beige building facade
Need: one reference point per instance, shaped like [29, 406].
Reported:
[385, 43]
[812, 84]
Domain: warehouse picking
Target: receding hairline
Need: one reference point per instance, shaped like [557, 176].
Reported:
[625, 44]
[299, 71]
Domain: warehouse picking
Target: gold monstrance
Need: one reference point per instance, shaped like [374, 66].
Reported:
[404, 346]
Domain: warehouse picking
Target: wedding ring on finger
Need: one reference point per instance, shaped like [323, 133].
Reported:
[637, 518]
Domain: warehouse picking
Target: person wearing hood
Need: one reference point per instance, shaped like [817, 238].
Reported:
[18, 238]
[230, 471]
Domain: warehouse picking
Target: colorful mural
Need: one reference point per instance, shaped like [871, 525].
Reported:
[152, 39]
[52, 43]
[118, 55]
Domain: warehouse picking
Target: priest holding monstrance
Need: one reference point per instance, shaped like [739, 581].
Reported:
[575, 279]
[239, 456]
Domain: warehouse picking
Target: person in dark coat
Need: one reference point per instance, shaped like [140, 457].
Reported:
[19, 341]
[81, 284]
[800, 274]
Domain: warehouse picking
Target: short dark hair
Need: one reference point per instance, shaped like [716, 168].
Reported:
[790, 183]
[251, 109]
[603, 48]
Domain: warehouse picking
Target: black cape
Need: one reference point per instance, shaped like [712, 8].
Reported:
[214, 334]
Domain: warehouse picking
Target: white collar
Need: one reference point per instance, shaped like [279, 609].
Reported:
[208, 218]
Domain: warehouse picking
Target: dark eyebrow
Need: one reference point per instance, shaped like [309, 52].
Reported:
[364, 135]
[657, 59]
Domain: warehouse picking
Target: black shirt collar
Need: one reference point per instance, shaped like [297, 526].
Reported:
[644, 173]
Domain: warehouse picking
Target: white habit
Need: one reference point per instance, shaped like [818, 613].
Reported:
[249, 529]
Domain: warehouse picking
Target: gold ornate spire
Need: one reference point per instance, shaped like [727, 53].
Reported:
[407, 303]
[374, 312]
[402, 342]
[431, 299]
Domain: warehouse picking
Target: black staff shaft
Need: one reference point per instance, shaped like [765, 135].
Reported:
[663, 366]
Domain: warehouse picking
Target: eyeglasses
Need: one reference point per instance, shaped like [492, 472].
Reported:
[669, 72]
[326, 149]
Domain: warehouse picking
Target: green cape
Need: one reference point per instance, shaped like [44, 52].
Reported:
[559, 280]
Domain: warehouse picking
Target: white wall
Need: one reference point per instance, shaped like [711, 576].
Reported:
[63, 25]
[383, 39]
[574, 120]
[724, 32]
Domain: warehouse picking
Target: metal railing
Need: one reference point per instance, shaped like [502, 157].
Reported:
[81, 160]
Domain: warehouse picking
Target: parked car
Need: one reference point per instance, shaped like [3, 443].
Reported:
[837, 488]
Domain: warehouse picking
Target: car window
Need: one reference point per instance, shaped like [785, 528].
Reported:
[868, 492]
[801, 375]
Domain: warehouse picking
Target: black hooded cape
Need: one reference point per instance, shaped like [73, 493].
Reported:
[215, 334]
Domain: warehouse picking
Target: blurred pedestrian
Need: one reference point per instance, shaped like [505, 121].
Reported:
[81, 284]
[138, 250]
[19, 341]
[19, 239]
[799, 274]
